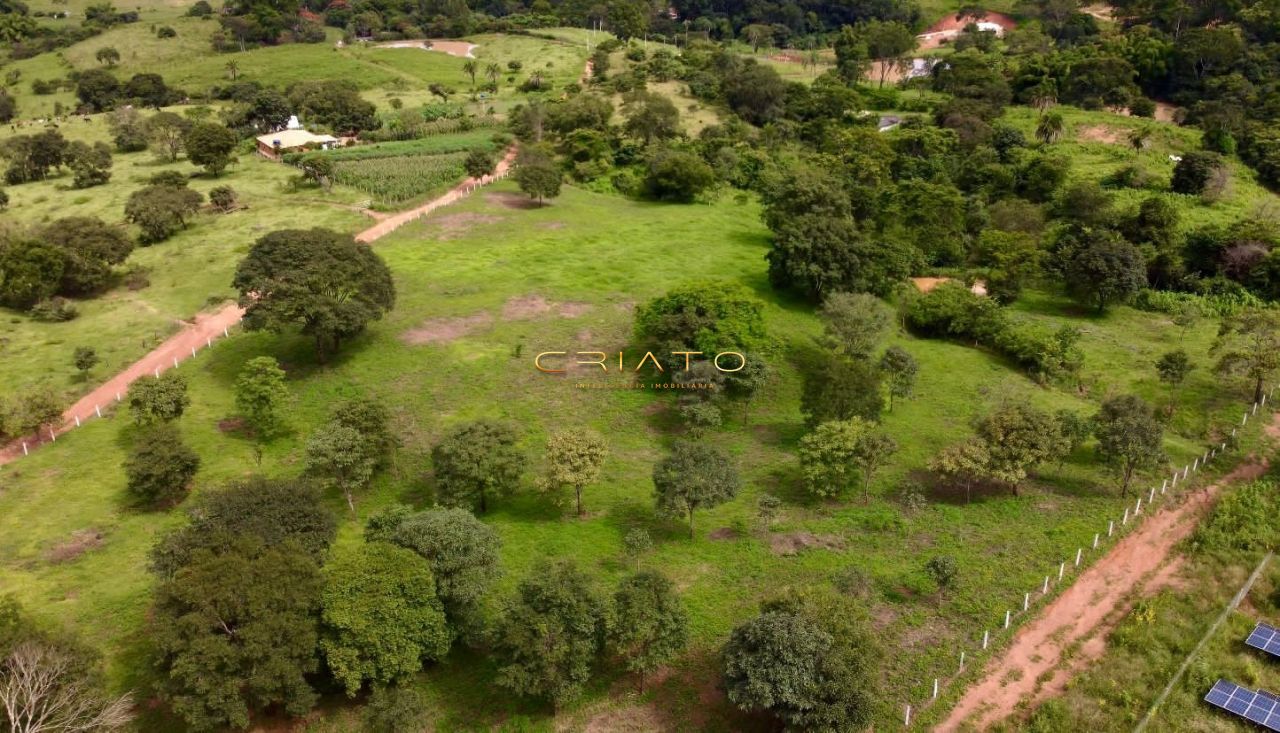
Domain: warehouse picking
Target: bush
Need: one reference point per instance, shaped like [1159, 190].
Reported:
[159, 467]
[223, 198]
[1242, 520]
[1196, 172]
[54, 310]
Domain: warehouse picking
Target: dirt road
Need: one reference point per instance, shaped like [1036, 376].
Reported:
[1036, 665]
[395, 221]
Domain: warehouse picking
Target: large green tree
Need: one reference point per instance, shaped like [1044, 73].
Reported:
[574, 458]
[235, 630]
[272, 510]
[381, 618]
[321, 281]
[551, 635]
[839, 388]
[1018, 438]
[210, 146]
[648, 625]
[694, 476]
[854, 322]
[1248, 345]
[463, 552]
[260, 394]
[159, 467]
[706, 316]
[1130, 437]
[477, 462]
[158, 399]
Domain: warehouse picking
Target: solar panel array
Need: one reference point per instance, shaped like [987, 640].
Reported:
[1260, 707]
[1266, 638]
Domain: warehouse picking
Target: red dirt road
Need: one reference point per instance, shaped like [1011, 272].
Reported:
[1035, 666]
[206, 328]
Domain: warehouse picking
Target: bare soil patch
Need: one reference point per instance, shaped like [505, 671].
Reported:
[80, 542]
[509, 200]
[456, 225]
[791, 543]
[461, 49]
[1069, 633]
[445, 330]
[231, 425]
[525, 307]
[724, 533]
[1101, 134]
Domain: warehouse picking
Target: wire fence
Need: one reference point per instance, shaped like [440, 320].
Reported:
[1057, 578]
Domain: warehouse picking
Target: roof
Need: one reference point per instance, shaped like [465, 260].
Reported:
[286, 139]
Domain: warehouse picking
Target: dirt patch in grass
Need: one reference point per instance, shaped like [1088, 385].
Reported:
[445, 330]
[552, 225]
[724, 533]
[525, 307]
[791, 543]
[231, 425]
[509, 200]
[80, 542]
[622, 720]
[457, 225]
[1101, 134]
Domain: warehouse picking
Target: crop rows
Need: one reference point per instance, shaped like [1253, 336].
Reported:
[434, 145]
[399, 179]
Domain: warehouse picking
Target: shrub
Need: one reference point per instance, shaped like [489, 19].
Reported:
[54, 310]
[1195, 173]
[159, 467]
[223, 198]
[1242, 520]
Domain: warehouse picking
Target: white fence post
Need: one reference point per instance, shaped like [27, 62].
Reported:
[1111, 526]
[1095, 540]
[1026, 601]
[157, 372]
[1137, 509]
[935, 688]
[1045, 589]
[97, 409]
[1152, 496]
[961, 663]
[1062, 568]
[77, 420]
[1006, 618]
[1125, 519]
[907, 722]
[25, 452]
[1079, 553]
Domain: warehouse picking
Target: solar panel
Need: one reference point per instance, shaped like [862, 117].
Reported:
[1260, 707]
[1266, 638]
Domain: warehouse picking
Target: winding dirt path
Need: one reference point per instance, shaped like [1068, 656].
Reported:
[1070, 632]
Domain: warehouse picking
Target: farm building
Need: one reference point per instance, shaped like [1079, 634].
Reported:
[272, 144]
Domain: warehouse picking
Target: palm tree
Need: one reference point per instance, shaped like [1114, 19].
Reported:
[1050, 128]
[493, 71]
[233, 69]
[471, 68]
[1140, 138]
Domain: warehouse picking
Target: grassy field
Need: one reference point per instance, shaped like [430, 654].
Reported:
[188, 62]
[187, 272]
[512, 272]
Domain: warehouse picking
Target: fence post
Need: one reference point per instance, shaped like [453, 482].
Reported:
[157, 372]
[1164, 485]
[208, 342]
[25, 452]
[1045, 589]
[1125, 519]
[1026, 601]
[175, 362]
[961, 663]
[1006, 618]
[1244, 419]
[97, 409]
[1095, 540]
[193, 351]
[1111, 526]
[1079, 553]
[117, 396]
[224, 331]
[1152, 496]
[907, 722]
[77, 420]
[1062, 568]
[935, 688]
[1137, 509]
[986, 635]
[53, 435]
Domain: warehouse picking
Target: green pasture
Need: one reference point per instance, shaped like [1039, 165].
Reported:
[528, 279]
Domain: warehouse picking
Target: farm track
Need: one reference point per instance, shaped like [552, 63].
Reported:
[207, 327]
[1070, 632]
